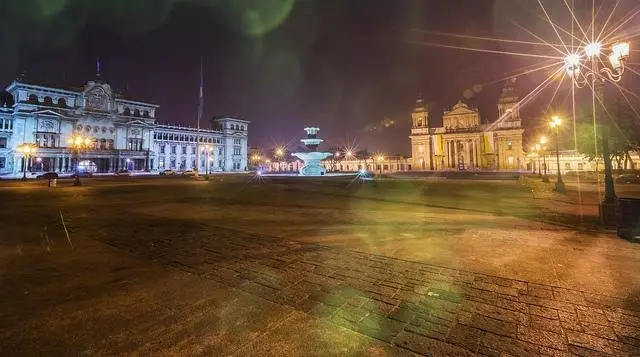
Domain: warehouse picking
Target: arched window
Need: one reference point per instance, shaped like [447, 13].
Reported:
[48, 101]
[242, 127]
[136, 113]
[127, 112]
[145, 114]
[62, 103]
[33, 99]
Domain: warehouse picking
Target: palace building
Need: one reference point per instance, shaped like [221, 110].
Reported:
[464, 143]
[124, 134]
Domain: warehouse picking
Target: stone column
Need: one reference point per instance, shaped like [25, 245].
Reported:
[467, 156]
[451, 153]
[456, 158]
[475, 154]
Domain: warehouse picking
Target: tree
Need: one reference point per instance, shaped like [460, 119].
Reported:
[618, 124]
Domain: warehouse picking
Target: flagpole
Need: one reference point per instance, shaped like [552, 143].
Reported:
[200, 108]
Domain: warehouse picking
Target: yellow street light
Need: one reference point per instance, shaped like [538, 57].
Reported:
[555, 121]
[543, 140]
[348, 153]
[380, 158]
[27, 150]
[279, 152]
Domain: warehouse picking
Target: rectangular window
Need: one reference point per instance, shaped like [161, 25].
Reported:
[193, 150]
[3, 143]
[173, 163]
[173, 149]
[183, 164]
[236, 141]
[161, 163]
[184, 150]
[162, 148]
[220, 151]
[135, 145]
[567, 166]
[3, 162]
[236, 150]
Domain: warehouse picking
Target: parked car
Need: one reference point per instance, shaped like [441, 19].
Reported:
[168, 173]
[47, 176]
[123, 173]
[628, 178]
[188, 173]
[82, 174]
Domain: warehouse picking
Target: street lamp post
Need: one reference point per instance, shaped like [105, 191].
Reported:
[279, 154]
[27, 150]
[78, 144]
[543, 147]
[538, 147]
[595, 76]
[555, 124]
[208, 149]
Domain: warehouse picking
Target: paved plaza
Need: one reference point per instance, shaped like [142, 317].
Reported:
[295, 267]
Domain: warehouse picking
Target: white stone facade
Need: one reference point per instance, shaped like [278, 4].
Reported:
[125, 134]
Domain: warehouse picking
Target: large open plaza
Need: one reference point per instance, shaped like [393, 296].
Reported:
[292, 266]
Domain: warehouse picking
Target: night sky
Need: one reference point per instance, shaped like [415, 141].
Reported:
[343, 65]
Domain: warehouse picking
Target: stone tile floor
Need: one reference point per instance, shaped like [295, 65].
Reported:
[419, 307]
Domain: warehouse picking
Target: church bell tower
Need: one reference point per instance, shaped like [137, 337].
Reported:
[508, 107]
[420, 114]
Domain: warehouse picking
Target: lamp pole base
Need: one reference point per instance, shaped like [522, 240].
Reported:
[545, 178]
[607, 213]
[560, 187]
[76, 181]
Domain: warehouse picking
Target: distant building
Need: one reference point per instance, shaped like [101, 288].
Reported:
[463, 143]
[124, 133]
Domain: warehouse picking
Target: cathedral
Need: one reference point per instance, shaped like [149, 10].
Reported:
[464, 143]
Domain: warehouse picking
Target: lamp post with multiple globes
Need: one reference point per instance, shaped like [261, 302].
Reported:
[78, 144]
[595, 75]
[555, 124]
[27, 150]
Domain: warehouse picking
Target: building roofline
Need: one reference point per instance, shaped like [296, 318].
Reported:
[235, 119]
[178, 127]
[18, 84]
[137, 103]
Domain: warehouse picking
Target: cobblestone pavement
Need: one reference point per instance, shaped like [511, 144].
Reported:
[419, 307]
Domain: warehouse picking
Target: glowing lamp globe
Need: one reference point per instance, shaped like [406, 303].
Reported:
[592, 49]
[572, 64]
[620, 50]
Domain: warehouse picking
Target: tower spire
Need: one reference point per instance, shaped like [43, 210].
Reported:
[98, 67]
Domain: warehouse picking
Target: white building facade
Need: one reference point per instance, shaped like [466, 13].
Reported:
[124, 134]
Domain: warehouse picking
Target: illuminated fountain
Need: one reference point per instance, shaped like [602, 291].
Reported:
[312, 159]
